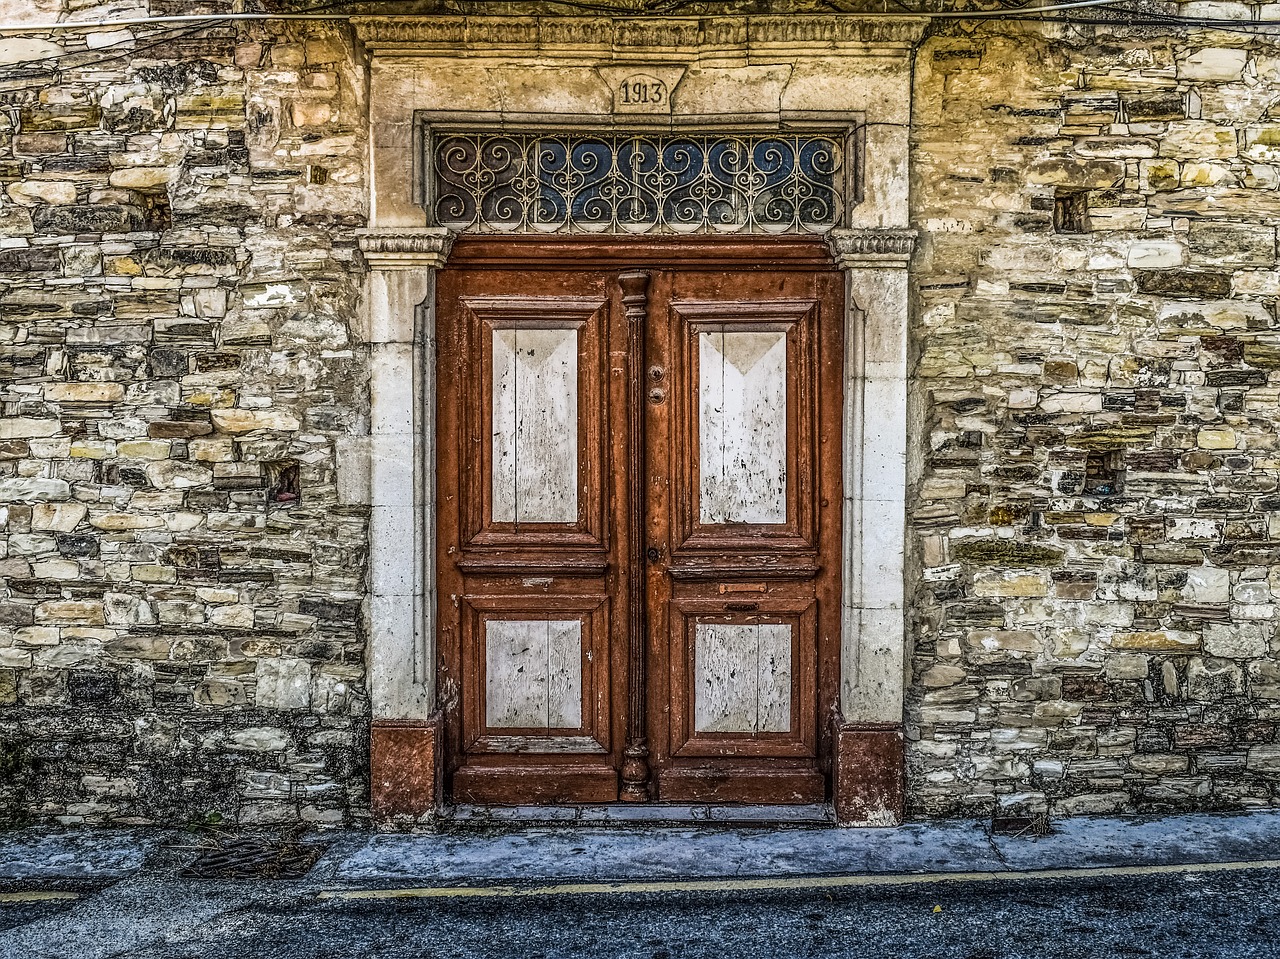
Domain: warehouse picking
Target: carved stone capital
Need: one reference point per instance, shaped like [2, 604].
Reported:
[406, 249]
[879, 247]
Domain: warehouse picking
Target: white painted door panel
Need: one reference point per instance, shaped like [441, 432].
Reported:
[535, 425]
[742, 677]
[533, 674]
[742, 427]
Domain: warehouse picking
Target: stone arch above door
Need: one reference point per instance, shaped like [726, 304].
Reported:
[754, 73]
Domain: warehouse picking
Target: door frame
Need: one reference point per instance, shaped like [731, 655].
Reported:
[428, 64]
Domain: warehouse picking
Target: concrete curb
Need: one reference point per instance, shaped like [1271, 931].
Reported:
[664, 854]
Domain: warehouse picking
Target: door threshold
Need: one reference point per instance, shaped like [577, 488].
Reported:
[812, 814]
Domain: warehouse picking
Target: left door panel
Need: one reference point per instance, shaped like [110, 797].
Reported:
[527, 560]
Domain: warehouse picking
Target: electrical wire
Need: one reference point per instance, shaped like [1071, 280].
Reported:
[1126, 16]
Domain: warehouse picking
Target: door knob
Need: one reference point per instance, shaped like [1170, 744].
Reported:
[653, 554]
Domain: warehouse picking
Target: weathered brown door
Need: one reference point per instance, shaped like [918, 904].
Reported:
[639, 519]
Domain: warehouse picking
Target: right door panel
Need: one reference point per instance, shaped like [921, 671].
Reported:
[743, 510]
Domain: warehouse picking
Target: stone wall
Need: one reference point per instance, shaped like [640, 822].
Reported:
[183, 575]
[1096, 510]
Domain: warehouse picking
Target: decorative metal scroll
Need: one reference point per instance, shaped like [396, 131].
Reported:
[628, 183]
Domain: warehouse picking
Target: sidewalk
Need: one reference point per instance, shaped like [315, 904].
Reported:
[34, 859]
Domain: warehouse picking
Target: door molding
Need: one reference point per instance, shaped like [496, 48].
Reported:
[507, 71]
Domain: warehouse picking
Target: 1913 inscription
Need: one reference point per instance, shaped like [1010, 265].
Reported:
[639, 91]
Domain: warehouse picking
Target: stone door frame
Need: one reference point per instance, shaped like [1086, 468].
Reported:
[756, 73]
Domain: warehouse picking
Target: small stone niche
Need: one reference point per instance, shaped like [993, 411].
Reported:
[1070, 211]
[1104, 473]
[284, 483]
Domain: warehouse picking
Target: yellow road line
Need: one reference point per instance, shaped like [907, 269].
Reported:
[36, 896]
[782, 884]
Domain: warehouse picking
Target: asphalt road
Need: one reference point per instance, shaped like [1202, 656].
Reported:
[1230, 914]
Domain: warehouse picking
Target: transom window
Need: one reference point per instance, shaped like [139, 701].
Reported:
[639, 183]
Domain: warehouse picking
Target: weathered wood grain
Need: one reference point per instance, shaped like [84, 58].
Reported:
[533, 674]
[535, 425]
[742, 427]
[742, 677]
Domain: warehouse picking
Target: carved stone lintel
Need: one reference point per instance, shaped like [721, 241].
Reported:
[872, 248]
[674, 37]
[406, 249]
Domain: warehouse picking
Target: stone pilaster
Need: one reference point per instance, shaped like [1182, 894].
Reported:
[405, 779]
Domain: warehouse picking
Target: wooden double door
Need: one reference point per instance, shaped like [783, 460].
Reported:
[639, 459]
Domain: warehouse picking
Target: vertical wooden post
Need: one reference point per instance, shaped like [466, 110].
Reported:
[635, 762]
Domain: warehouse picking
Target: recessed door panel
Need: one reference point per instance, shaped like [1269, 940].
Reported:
[533, 673]
[741, 677]
[742, 426]
[535, 425]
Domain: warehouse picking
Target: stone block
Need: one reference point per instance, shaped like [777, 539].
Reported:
[1264, 759]
[1003, 640]
[1238, 640]
[1234, 244]
[246, 421]
[283, 684]
[1210, 680]
[113, 787]
[122, 609]
[1213, 63]
[1008, 583]
[1217, 439]
[1076, 172]
[1157, 641]
[33, 192]
[142, 178]
[232, 617]
[1198, 140]
[71, 612]
[259, 739]
[1156, 254]
[1207, 585]
[940, 675]
[15, 427]
[221, 692]
[84, 392]
[1005, 552]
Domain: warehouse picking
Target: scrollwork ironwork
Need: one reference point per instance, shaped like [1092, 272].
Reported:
[638, 183]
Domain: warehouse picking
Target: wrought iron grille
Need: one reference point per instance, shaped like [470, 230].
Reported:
[629, 183]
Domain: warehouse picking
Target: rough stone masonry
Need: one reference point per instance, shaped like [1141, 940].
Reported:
[1095, 519]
